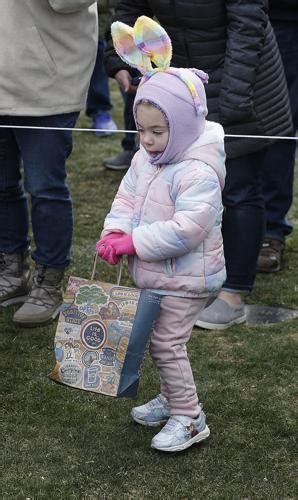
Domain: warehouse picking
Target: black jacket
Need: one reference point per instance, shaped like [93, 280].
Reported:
[233, 42]
[283, 11]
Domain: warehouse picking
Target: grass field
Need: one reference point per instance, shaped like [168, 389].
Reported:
[64, 443]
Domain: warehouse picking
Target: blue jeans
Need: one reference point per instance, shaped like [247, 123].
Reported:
[243, 220]
[42, 154]
[278, 172]
[98, 98]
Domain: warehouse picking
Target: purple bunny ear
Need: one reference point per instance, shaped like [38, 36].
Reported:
[201, 74]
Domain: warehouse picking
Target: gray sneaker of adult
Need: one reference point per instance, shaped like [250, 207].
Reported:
[15, 278]
[121, 161]
[220, 315]
[44, 300]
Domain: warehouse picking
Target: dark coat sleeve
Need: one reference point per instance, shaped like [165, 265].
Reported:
[246, 24]
[127, 11]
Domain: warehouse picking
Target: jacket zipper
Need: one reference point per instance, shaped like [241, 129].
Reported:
[156, 173]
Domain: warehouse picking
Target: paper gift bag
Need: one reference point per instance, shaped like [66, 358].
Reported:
[102, 334]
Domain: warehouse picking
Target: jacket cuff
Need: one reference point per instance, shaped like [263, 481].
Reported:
[69, 6]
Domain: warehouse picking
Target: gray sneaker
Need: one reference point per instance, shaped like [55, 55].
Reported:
[44, 300]
[181, 432]
[15, 278]
[121, 161]
[155, 412]
[220, 315]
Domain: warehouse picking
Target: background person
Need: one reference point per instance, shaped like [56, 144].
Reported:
[47, 55]
[232, 41]
[99, 104]
[279, 164]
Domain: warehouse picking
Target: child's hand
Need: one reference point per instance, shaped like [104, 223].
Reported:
[107, 253]
[123, 245]
[107, 239]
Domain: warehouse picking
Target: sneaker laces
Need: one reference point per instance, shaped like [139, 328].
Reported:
[44, 292]
[159, 400]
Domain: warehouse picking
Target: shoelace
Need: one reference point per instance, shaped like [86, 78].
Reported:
[171, 425]
[156, 401]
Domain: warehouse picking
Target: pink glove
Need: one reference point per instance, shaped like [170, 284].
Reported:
[107, 253]
[107, 239]
[123, 245]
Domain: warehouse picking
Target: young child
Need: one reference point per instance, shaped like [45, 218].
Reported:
[167, 217]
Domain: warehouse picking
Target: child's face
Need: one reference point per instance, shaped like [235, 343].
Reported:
[153, 129]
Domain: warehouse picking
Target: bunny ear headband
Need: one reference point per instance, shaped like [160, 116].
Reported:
[146, 43]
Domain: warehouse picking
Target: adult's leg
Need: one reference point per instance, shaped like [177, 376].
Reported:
[243, 229]
[13, 203]
[98, 98]
[122, 160]
[279, 163]
[44, 154]
[14, 242]
[129, 140]
[243, 220]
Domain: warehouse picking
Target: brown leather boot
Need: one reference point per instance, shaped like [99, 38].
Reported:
[44, 300]
[15, 278]
[270, 256]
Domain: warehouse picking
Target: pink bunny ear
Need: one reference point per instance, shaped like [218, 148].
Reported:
[126, 48]
[153, 41]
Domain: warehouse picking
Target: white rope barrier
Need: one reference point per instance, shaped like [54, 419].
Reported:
[94, 130]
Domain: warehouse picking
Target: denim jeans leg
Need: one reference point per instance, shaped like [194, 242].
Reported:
[129, 140]
[278, 179]
[279, 165]
[98, 98]
[13, 203]
[243, 220]
[44, 153]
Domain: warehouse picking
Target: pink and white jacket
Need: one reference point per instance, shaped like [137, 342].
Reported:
[174, 213]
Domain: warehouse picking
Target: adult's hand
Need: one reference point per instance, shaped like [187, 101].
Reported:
[124, 80]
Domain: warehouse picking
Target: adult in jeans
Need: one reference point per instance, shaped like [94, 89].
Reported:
[122, 160]
[99, 104]
[278, 173]
[48, 49]
[232, 41]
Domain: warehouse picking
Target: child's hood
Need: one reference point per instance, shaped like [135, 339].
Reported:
[209, 148]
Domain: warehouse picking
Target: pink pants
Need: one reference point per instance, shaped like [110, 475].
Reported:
[168, 351]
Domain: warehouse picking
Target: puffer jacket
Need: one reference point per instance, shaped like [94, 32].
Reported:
[232, 41]
[174, 213]
[47, 55]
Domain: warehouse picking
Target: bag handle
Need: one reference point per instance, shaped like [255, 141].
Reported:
[119, 269]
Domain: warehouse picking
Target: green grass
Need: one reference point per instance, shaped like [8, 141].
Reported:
[59, 442]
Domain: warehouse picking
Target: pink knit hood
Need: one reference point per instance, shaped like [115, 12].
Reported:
[171, 91]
